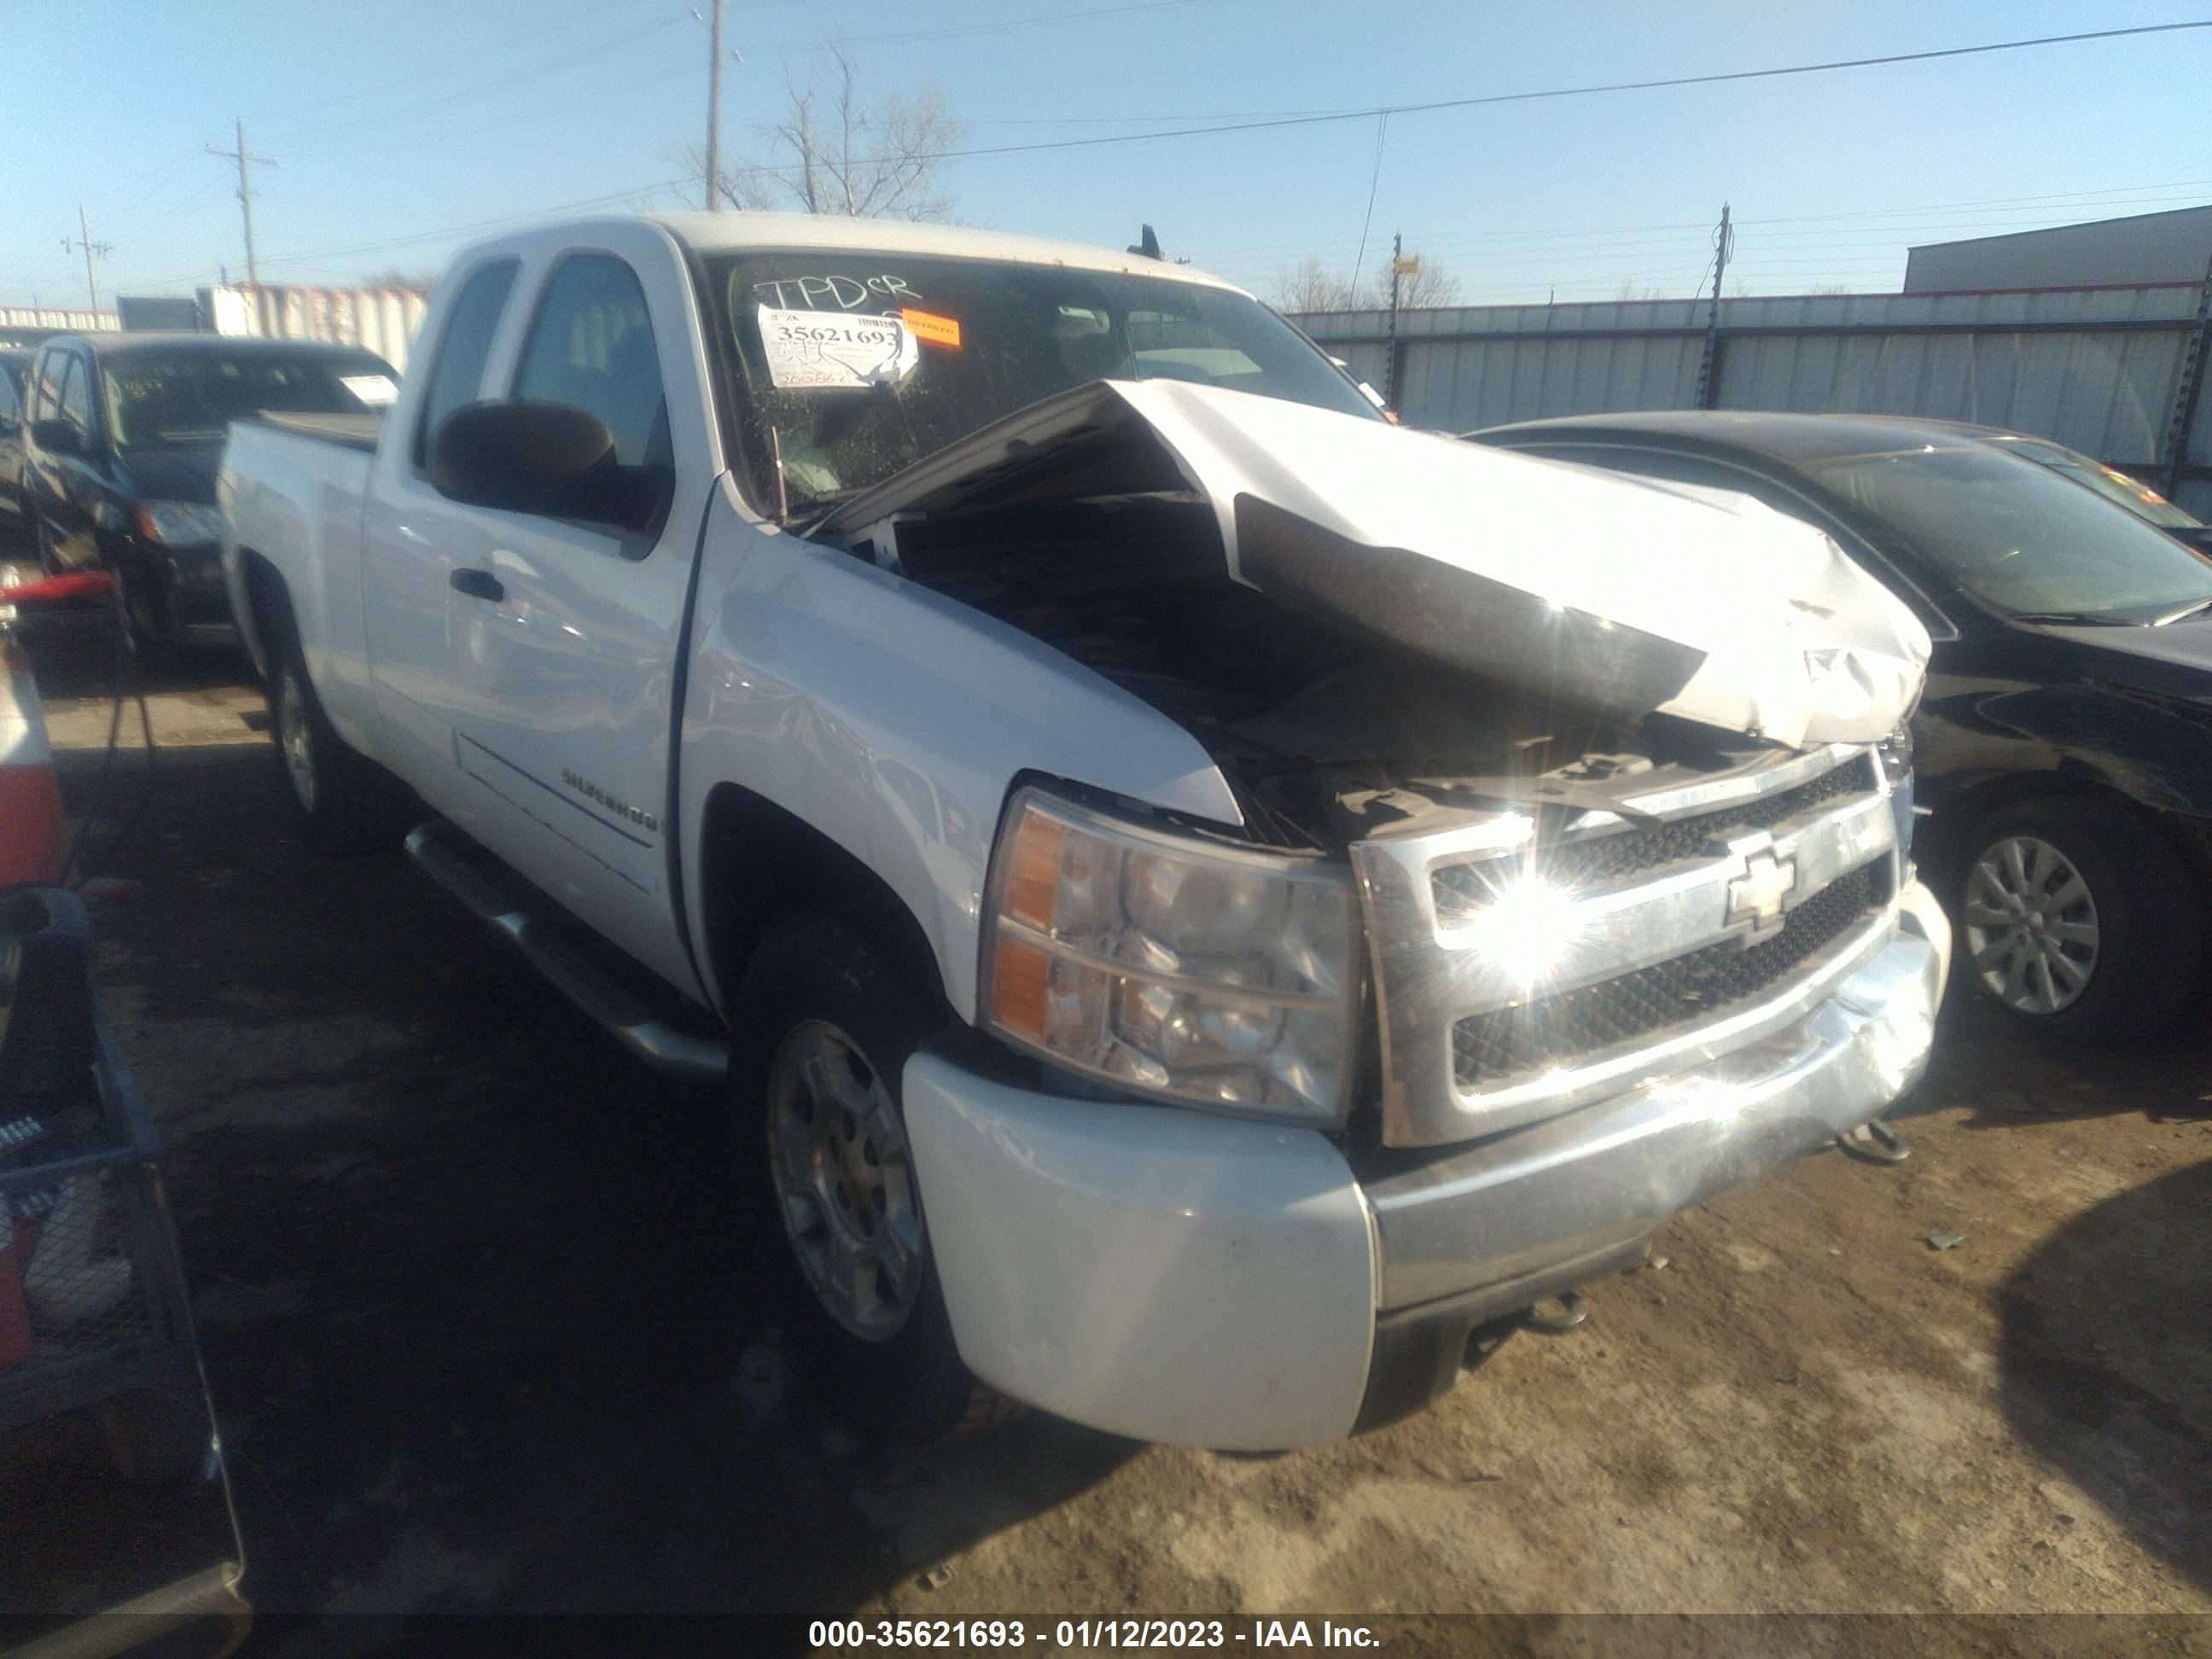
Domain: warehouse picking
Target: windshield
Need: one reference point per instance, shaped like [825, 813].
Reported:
[862, 363]
[2109, 481]
[2022, 539]
[188, 397]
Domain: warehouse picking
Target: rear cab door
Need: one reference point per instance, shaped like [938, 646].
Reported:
[542, 655]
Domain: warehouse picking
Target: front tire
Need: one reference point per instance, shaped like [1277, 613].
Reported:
[827, 1019]
[2077, 920]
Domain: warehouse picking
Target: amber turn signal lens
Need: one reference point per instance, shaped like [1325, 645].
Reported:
[1033, 876]
[1018, 973]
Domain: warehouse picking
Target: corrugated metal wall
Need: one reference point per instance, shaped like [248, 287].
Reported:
[382, 319]
[2097, 369]
[57, 320]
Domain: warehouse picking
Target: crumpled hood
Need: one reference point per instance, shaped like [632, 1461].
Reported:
[1607, 592]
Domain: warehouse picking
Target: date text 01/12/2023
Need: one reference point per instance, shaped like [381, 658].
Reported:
[1077, 1634]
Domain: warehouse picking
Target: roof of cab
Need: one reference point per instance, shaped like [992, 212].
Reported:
[733, 233]
[122, 342]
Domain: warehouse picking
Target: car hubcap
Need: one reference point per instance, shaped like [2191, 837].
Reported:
[298, 745]
[844, 1181]
[2031, 924]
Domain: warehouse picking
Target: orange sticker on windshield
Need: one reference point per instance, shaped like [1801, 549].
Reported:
[932, 330]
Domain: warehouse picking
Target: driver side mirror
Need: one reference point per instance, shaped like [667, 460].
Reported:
[553, 460]
[58, 437]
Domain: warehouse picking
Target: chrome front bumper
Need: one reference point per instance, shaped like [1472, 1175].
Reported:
[1498, 1222]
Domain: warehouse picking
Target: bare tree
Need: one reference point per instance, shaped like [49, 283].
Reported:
[399, 278]
[840, 150]
[1311, 286]
[1431, 285]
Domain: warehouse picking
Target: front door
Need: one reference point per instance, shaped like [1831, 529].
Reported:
[563, 639]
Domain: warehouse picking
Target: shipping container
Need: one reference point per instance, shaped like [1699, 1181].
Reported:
[382, 319]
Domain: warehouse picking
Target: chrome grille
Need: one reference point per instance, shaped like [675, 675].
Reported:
[1676, 940]
[1603, 860]
[1548, 1031]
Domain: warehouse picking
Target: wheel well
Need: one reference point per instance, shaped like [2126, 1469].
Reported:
[761, 865]
[268, 604]
[1956, 818]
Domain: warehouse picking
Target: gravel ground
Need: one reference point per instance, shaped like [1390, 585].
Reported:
[483, 1335]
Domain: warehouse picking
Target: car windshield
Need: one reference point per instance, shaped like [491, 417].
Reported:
[185, 398]
[2022, 539]
[850, 400]
[2109, 481]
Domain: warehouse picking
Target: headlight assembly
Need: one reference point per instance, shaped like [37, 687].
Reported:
[1205, 975]
[179, 524]
[1892, 755]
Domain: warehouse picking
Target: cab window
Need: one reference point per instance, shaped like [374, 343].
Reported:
[591, 347]
[457, 373]
[47, 384]
[76, 396]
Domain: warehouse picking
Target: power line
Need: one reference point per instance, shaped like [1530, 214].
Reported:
[1435, 105]
[906, 36]
[1373, 178]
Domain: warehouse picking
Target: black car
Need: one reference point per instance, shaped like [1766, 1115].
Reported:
[2114, 485]
[2065, 740]
[15, 377]
[122, 438]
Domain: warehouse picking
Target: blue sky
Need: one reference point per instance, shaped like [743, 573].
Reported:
[402, 127]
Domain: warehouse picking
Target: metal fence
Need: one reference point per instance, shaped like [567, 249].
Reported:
[2113, 372]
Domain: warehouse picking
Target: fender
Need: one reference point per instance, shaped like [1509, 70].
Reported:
[894, 720]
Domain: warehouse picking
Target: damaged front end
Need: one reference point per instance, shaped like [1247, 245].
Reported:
[1599, 755]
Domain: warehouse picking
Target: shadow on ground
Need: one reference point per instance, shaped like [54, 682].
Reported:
[2104, 1358]
[482, 1325]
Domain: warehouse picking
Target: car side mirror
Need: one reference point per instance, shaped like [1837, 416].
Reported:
[553, 460]
[58, 437]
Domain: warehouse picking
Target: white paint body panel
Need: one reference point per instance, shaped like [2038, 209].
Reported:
[1155, 1272]
[1800, 645]
[896, 721]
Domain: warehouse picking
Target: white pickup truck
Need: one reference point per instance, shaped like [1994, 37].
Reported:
[1210, 905]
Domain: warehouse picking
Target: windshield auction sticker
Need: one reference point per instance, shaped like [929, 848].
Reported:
[374, 390]
[931, 329]
[818, 350]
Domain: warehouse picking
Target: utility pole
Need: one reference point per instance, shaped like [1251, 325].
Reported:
[1709, 365]
[714, 108]
[82, 242]
[1400, 268]
[245, 157]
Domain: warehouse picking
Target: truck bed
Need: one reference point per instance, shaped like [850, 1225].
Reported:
[351, 431]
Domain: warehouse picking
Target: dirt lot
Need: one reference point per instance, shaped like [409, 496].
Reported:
[481, 1335]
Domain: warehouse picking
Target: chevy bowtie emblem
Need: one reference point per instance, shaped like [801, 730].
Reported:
[1759, 893]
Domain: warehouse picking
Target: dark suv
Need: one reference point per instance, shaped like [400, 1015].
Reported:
[121, 441]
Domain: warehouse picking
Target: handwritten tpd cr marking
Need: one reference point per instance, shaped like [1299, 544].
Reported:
[844, 293]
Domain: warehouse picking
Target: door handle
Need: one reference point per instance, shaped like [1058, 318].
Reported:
[477, 583]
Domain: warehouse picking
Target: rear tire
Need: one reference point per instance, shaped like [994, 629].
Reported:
[827, 1019]
[2076, 919]
[343, 803]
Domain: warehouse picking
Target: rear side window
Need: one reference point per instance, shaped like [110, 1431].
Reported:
[592, 346]
[457, 375]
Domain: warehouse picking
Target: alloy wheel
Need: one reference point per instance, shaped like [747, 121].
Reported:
[2032, 925]
[844, 1181]
[296, 741]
